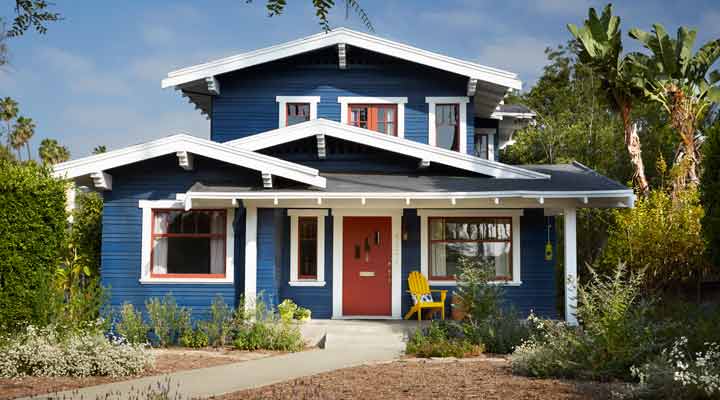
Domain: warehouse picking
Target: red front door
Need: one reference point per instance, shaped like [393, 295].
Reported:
[367, 265]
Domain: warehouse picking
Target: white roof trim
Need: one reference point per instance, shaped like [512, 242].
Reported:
[526, 194]
[349, 37]
[191, 144]
[386, 142]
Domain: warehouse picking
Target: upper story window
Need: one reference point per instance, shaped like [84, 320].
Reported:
[297, 113]
[447, 126]
[485, 143]
[380, 114]
[376, 117]
[188, 243]
[296, 109]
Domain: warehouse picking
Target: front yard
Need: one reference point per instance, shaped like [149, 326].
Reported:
[412, 378]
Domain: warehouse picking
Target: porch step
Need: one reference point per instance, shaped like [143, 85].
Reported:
[369, 334]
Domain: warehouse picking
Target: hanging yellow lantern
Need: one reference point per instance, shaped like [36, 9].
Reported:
[548, 244]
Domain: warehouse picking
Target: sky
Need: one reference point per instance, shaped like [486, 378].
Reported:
[94, 78]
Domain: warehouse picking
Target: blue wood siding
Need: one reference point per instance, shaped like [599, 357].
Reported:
[160, 179]
[538, 290]
[247, 104]
[317, 299]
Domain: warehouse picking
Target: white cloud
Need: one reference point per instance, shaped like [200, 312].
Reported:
[524, 55]
[81, 74]
[157, 35]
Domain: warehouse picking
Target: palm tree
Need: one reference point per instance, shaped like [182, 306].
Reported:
[23, 131]
[680, 83]
[8, 112]
[52, 153]
[599, 46]
[99, 149]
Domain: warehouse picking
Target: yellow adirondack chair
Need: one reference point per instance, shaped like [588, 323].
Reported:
[418, 287]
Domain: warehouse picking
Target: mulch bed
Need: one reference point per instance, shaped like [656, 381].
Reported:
[166, 361]
[475, 378]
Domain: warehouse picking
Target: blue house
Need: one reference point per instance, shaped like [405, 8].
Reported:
[336, 165]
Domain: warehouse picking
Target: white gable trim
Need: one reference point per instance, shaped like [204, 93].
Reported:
[282, 106]
[190, 144]
[432, 129]
[386, 142]
[400, 101]
[347, 37]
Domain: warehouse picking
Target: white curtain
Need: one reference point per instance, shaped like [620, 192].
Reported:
[217, 245]
[439, 259]
[160, 245]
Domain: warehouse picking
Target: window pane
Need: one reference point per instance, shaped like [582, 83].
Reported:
[307, 247]
[436, 229]
[445, 257]
[297, 113]
[481, 146]
[183, 255]
[446, 126]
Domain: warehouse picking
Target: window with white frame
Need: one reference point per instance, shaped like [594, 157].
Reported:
[296, 109]
[307, 247]
[447, 122]
[485, 143]
[186, 246]
[385, 115]
[489, 237]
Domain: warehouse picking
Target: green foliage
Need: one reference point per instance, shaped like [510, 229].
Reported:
[51, 152]
[499, 333]
[32, 208]
[615, 334]
[259, 328]
[710, 193]
[194, 338]
[168, 322]
[441, 339]
[477, 298]
[131, 325]
[322, 11]
[32, 13]
[220, 323]
[660, 236]
[289, 311]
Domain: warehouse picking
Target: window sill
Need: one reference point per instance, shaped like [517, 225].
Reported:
[455, 283]
[173, 281]
[307, 283]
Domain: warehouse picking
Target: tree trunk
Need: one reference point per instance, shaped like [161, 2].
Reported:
[632, 143]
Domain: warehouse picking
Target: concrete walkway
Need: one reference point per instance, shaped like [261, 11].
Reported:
[347, 344]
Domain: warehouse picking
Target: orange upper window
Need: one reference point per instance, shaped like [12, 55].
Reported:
[376, 117]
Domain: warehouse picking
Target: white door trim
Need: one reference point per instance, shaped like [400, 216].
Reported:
[395, 287]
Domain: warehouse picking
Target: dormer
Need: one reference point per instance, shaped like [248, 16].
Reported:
[353, 78]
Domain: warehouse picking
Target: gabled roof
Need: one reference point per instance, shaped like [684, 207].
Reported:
[348, 37]
[184, 145]
[423, 152]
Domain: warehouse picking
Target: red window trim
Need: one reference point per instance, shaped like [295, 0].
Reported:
[372, 118]
[465, 219]
[457, 124]
[287, 111]
[154, 235]
[299, 247]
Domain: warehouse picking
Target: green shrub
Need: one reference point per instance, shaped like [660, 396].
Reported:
[269, 335]
[32, 237]
[289, 311]
[194, 338]
[615, 335]
[131, 325]
[710, 192]
[49, 352]
[441, 339]
[167, 321]
[477, 298]
[661, 236]
[219, 325]
[302, 314]
[679, 373]
[499, 333]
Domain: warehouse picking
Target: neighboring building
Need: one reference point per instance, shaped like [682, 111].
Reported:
[336, 165]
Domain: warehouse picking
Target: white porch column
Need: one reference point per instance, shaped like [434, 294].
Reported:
[570, 266]
[250, 257]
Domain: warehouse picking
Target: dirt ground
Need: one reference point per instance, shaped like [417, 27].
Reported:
[476, 378]
[166, 360]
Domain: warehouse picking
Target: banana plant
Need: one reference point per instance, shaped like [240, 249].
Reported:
[681, 83]
[599, 46]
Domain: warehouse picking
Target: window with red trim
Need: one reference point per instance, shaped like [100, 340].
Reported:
[447, 126]
[376, 117]
[188, 244]
[307, 247]
[296, 113]
[487, 241]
